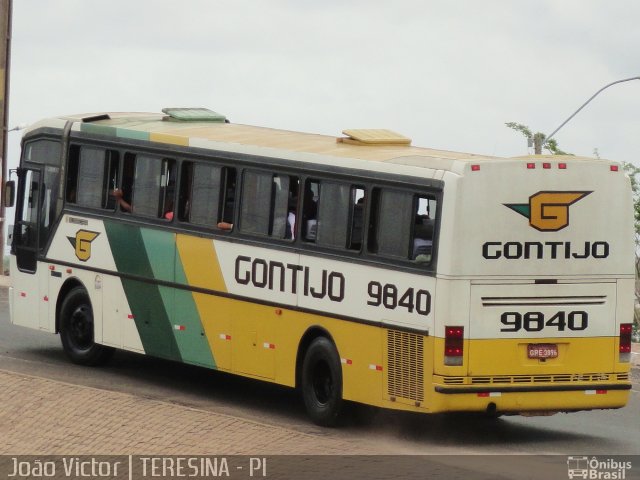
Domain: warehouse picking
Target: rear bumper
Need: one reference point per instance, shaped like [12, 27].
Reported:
[529, 399]
[537, 388]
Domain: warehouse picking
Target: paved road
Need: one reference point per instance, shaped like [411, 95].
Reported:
[140, 405]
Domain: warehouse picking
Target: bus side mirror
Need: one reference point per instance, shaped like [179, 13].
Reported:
[9, 193]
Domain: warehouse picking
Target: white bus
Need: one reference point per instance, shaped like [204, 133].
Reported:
[357, 268]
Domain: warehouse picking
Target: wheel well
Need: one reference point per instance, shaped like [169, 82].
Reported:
[62, 294]
[309, 336]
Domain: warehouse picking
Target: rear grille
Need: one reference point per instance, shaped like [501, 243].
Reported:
[543, 301]
[565, 378]
[453, 380]
[405, 365]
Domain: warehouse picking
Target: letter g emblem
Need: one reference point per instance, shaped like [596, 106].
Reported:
[550, 210]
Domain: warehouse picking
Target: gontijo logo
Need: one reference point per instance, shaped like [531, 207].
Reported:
[82, 243]
[548, 211]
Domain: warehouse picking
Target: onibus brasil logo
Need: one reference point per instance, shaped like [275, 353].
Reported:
[548, 211]
[596, 468]
[82, 243]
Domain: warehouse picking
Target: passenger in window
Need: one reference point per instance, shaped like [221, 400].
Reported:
[119, 196]
[71, 195]
[309, 215]
[356, 231]
[422, 239]
[225, 226]
[168, 209]
[290, 233]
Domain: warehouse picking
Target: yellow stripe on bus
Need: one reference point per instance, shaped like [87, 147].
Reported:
[200, 263]
[169, 138]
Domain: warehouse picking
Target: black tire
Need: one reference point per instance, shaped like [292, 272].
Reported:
[322, 382]
[76, 330]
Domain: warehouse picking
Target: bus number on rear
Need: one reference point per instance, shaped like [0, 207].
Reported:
[537, 321]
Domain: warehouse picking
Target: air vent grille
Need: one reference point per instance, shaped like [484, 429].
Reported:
[405, 365]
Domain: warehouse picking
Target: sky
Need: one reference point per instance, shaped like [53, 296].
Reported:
[447, 73]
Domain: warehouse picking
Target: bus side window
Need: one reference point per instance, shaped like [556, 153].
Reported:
[128, 172]
[71, 192]
[392, 217]
[310, 210]
[185, 195]
[266, 204]
[229, 192]
[90, 175]
[204, 193]
[167, 189]
[333, 214]
[111, 180]
[402, 225]
[423, 229]
[153, 186]
[283, 209]
[356, 223]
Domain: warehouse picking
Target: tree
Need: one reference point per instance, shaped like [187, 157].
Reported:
[537, 140]
[634, 172]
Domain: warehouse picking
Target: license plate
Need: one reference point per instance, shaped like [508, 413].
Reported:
[542, 350]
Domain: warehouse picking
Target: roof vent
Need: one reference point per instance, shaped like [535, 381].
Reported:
[373, 137]
[96, 118]
[193, 115]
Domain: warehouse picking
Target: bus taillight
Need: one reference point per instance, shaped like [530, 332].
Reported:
[625, 341]
[453, 345]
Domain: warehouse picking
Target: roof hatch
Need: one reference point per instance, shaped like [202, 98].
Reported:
[373, 137]
[193, 115]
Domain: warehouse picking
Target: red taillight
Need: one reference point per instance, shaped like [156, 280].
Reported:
[453, 345]
[475, 168]
[614, 168]
[625, 338]
[562, 166]
[531, 165]
[546, 166]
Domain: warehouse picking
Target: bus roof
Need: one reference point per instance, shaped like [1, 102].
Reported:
[215, 134]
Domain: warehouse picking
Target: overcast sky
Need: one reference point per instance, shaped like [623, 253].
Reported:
[446, 73]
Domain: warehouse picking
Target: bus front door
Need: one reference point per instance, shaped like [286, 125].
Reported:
[25, 248]
[26, 233]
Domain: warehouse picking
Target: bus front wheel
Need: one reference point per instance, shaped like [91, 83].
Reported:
[322, 382]
[76, 330]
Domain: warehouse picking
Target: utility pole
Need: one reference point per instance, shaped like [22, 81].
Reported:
[6, 9]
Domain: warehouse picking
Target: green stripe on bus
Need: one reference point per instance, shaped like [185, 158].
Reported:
[133, 134]
[179, 304]
[145, 299]
[98, 129]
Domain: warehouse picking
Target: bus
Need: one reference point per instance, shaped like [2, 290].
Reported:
[358, 268]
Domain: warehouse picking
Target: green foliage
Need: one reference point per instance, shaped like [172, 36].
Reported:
[538, 139]
[633, 172]
[523, 129]
[553, 148]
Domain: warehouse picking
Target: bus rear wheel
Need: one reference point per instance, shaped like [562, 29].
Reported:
[322, 382]
[76, 330]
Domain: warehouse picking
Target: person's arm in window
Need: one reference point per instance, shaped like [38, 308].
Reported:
[124, 205]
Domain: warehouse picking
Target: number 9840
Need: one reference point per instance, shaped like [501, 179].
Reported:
[536, 321]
